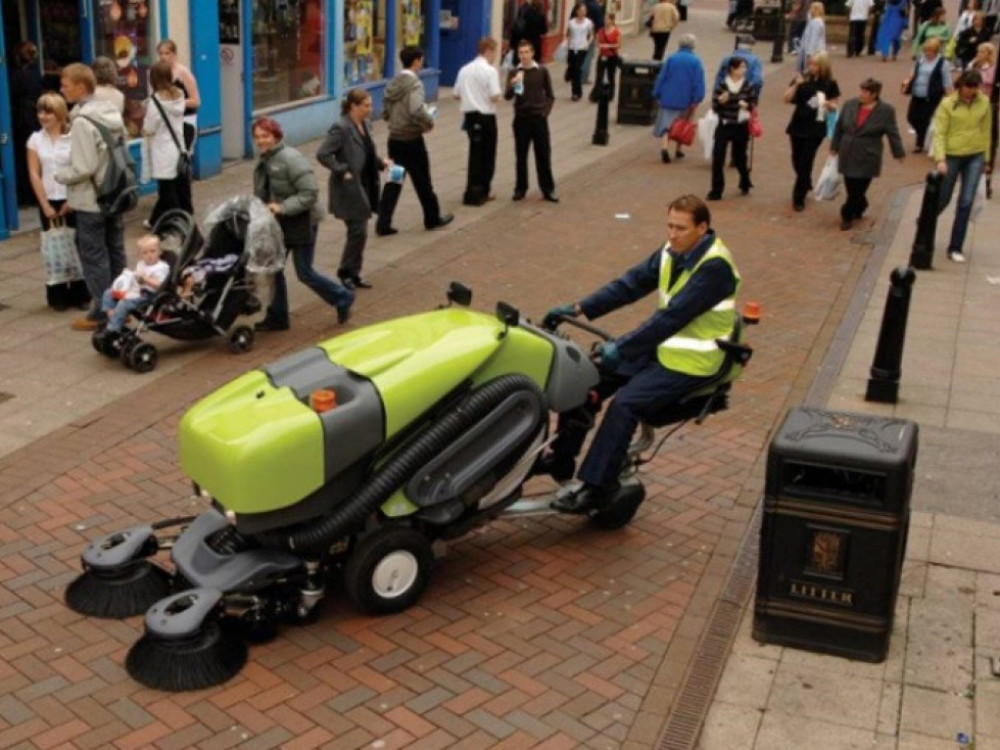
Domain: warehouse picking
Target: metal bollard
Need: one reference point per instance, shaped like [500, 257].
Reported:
[883, 385]
[923, 243]
[600, 137]
[777, 50]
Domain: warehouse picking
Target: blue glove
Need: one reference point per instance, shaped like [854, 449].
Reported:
[551, 319]
[609, 356]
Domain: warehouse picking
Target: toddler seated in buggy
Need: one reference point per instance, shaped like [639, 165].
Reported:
[211, 283]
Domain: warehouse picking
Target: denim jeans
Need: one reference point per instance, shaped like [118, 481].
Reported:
[328, 290]
[970, 168]
[122, 308]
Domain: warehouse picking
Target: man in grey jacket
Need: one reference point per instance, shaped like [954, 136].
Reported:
[99, 238]
[409, 118]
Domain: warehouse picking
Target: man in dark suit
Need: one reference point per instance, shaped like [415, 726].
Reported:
[530, 86]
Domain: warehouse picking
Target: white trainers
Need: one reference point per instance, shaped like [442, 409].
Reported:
[956, 257]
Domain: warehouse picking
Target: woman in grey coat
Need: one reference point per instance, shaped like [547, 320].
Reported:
[350, 155]
[284, 180]
[857, 142]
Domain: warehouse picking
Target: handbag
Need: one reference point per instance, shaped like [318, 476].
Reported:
[58, 246]
[754, 125]
[183, 157]
[682, 131]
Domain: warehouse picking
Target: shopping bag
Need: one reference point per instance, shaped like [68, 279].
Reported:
[562, 52]
[831, 122]
[62, 263]
[755, 126]
[828, 184]
[929, 139]
[706, 133]
[682, 131]
[508, 61]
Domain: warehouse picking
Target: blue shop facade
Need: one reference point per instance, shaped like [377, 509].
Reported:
[288, 59]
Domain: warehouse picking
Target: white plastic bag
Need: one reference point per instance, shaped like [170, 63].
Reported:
[980, 200]
[706, 133]
[929, 139]
[62, 264]
[562, 52]
[507, 64]
[828, 184]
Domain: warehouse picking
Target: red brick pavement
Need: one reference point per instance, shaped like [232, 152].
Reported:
[534, 633]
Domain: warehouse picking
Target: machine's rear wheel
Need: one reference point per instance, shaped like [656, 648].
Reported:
[389, 570]
[622, 509]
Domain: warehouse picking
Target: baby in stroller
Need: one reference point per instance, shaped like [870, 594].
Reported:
[211, 282]
[132, 289]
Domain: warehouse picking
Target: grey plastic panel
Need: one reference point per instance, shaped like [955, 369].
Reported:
[472, 455]
[573, 375]
[181, 615]
[243, 571]
[114, 550]
[356, 427]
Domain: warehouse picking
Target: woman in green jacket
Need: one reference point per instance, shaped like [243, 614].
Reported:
[284, 180]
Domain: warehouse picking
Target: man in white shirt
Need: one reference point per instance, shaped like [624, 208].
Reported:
[858, 18]
[478, 88]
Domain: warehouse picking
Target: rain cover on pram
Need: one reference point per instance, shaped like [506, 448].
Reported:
[263, 242]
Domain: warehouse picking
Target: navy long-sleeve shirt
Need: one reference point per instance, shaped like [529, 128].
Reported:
[714, 282]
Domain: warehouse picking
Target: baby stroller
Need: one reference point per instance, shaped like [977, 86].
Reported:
[242, 239]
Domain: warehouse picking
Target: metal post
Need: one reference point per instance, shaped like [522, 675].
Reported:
[923, 244]
[883, 385]
[601, 137]
[777, 51]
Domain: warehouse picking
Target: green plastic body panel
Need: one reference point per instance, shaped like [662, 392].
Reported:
[254, 447]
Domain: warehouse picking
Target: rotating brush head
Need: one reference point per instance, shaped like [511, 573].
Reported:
[119, 592]
[213, 655]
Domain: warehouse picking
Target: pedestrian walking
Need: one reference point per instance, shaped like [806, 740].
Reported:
[609, 43]
[477, 87]
[163, 128]
[962, 127]
[579, 35]
[99, 237]
[927, 84]
[184, 80]
[934, 28]
[814, 95]
[595, 12]
[857, 21]
[857, 143]
[890, 30]
[968, 41]
[798, 17]
[349, 152]
[409, 118]
[679, 89]
[813, 36]
[663, 20]
[283, 178]
[530, 86]
[732, 102]
[529, 24]
[878, 10]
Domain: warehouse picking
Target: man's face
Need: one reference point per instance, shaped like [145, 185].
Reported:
[682, 233]
[490, 55]
[72, 90]
[526, 55]
[417, 65]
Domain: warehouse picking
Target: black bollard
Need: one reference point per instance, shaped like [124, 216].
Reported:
[923, 243]
[883, 385]
[777, 51]
[600, 137]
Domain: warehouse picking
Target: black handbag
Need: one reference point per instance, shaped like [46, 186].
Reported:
[184, 158]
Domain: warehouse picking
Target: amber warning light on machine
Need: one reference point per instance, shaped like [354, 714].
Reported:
[323, 400]
[751, 312]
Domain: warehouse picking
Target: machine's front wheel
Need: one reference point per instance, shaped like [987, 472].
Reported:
[389, 570]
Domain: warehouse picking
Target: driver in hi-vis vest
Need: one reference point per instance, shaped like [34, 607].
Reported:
[658, 362]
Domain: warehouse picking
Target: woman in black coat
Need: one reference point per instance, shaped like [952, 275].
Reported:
[732, 102]
[350, 155]
[857, 142]
[814, 95]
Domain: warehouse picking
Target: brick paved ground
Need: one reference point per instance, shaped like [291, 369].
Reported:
[536, 633]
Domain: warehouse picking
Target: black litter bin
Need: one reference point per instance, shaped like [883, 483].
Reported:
[766, 23]
[636, 105]
[833, 536]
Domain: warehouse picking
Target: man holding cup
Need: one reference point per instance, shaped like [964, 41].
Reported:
[530, 86]
[478, 88]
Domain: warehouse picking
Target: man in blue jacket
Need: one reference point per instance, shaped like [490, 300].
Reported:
[655, 365]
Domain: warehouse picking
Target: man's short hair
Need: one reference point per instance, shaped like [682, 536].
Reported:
[80, 74]
[526, 43]
[970, 79]
[486, 44]
[693, 205]
[409, 55]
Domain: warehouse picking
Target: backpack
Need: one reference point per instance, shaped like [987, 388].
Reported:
[118, 192]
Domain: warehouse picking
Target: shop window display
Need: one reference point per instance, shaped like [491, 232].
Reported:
[60, 39]
[288, 51]
[123, 31]
[364, 41]
[411, 25]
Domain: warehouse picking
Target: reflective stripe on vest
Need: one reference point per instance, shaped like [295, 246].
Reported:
[692, 350]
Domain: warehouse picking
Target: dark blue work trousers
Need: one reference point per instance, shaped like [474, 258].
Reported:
[644, 389]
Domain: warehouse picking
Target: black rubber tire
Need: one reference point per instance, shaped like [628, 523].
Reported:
[389, 570]
[241, 340]
[143, 357]
[622, 509]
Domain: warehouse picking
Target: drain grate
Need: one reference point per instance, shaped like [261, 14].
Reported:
[698, 688]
